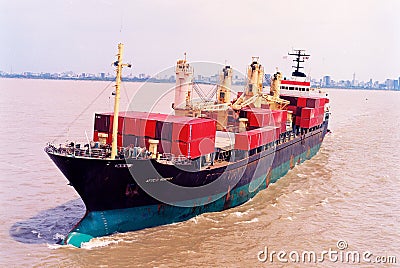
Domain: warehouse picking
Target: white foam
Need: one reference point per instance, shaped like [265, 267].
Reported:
[100, 242]
[194, 220]
[57, 246]
[300, 192]
[324, 202]
[239, 214]
[212, 220]
[36, 233]
[245, 222]
[58, 236]
[54, 246]
[174, 223]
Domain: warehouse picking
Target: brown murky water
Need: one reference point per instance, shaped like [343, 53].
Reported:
[348, 191]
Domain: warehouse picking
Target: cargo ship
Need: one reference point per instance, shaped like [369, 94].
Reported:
[145, 169]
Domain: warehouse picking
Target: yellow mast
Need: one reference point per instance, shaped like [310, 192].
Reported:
[119, 66]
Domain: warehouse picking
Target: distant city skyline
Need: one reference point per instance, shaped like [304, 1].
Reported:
[326, 81]
[343, 37]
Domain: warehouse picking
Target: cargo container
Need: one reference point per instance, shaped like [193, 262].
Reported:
[291, 99]
[258, 119]
[314, 102]
[297, 120]
[149, 126]
[133, 126]
[164, 146]
[194, 149]
[193, 129]
[292, 108]
[320, 111]
[279, 117]
[135, 141]
[308, 122]
[142, 124]
[307, 113]
[298, 111]
[247, 140]
[163, 130]
[301, 102]
[121, 120]
[243, 113]
[311, 122]
[268, 134]
[257, 137]
[102, 122]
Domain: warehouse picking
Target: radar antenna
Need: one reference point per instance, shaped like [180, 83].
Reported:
[300, 56]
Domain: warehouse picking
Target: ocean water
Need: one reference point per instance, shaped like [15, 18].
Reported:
[345, 199]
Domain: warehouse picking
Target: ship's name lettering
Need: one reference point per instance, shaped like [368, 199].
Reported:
[123, 165]
[158, 179]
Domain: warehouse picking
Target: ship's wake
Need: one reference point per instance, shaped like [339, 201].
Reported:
[49, 226]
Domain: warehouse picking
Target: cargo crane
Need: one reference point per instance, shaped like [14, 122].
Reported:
[223, 109]
[252, 95]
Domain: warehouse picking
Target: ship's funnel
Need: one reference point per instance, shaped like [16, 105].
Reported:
[184, 83]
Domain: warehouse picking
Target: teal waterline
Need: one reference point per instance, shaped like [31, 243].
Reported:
[102, 223]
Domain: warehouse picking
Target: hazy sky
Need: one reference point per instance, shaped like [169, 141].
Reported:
[342, 36]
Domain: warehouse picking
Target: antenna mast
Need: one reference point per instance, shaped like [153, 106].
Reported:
[300, 55]
[119, 66]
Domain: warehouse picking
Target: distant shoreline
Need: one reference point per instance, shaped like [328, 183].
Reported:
[152, 80]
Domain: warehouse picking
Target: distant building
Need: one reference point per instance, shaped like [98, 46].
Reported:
[389, 83]
[369, 84]
[327, 81]
[395, 84]
[142, 76]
